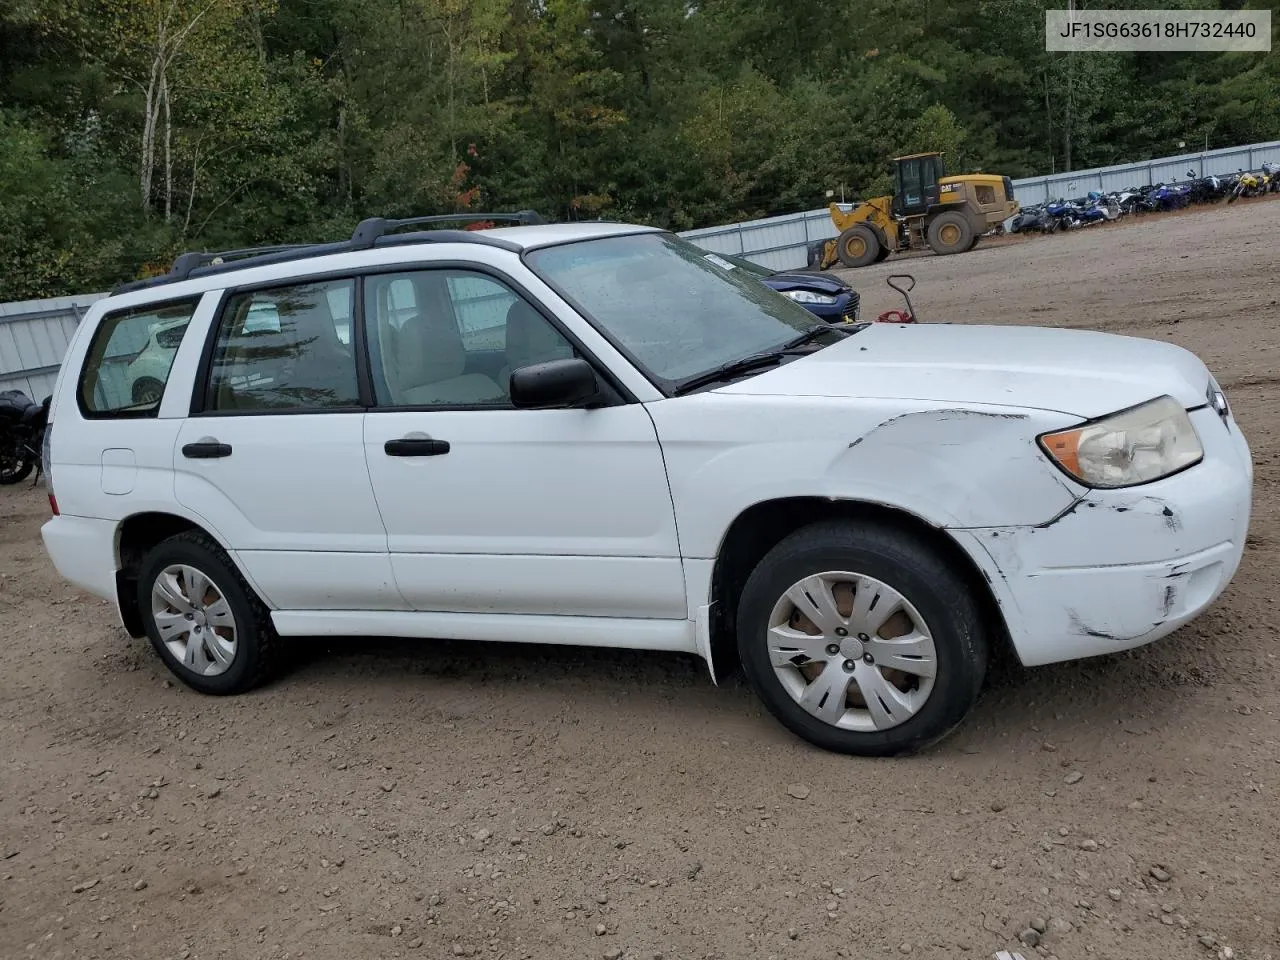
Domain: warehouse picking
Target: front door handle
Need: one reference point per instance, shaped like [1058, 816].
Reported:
[416, 447]
[206, 450]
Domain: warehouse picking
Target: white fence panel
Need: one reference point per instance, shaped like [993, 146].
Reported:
[33, 338]
[780, 243]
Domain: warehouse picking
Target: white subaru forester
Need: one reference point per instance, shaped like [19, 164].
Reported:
[600, 434]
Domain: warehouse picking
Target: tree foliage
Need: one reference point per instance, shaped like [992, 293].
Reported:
[132, 129]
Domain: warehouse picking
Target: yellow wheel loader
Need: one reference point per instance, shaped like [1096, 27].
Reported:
[927, 210]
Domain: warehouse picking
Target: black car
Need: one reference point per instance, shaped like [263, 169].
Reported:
[822, 295]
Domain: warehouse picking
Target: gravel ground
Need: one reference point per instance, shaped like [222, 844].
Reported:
[402, 799]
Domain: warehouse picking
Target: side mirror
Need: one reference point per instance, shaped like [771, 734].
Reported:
[553, 383]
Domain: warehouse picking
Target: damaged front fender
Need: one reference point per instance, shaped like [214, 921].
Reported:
[953, 467]
[963, 465]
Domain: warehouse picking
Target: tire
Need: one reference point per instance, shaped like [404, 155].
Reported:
[15, 470]
[882, 255]
[950, 232]
[858, 246]
[252, 657]
[939, 605]
[147, 390]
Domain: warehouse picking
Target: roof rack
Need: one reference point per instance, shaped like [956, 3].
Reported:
[368, 231]
[374, 231]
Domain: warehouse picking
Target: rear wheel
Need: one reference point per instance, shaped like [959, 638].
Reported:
[950, 232]
[861, 639]
[203, 619]
[14, 466]
[858, 246]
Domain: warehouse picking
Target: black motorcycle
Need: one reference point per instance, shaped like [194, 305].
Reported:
[22, 425]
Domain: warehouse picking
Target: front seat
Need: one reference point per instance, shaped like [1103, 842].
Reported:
[530, 339]
[431, 361]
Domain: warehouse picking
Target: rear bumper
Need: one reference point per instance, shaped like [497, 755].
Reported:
[83, 551]
[1124, 567]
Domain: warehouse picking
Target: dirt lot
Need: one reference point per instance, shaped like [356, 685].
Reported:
[401, 799]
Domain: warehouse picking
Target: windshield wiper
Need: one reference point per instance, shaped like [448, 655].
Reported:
[808, 336]
[755, 361]
[727, 371]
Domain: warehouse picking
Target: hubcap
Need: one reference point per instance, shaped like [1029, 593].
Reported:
[852, 651]
[855, 246]
[194, 620]
[950, 233]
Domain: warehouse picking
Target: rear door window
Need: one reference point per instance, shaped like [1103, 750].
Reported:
[127, 367]
[287, 348]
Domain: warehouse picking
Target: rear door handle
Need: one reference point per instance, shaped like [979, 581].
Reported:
[416, 447]
[206, 450]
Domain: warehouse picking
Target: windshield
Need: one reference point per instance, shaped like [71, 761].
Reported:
[673, 308]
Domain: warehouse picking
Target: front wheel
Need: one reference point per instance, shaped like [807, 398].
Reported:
[858, 246]
[862, 639]
[203, 619]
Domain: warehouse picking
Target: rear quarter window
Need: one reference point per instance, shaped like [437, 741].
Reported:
[127, 367]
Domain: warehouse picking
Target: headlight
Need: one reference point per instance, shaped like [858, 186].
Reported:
[807, 296]
[1134, 446]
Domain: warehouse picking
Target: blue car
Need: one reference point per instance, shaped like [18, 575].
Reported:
[823, 295]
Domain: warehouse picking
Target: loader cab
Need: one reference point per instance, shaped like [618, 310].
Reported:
[916, 187]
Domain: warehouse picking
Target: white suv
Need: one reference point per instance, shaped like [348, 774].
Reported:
[599, 434]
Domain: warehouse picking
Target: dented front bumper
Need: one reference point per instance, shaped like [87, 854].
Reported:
[1121, 568]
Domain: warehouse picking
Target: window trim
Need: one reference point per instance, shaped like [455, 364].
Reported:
[615, 392]
[154, 305]
[200, 386]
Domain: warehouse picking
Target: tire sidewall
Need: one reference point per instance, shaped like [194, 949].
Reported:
[966, 232]
[872, 242]
[24, 470]
[218, 569]
[949, 612]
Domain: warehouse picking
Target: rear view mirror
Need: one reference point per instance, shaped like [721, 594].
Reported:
[553, 383]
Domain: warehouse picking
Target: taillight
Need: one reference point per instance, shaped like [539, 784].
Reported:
[46, 464]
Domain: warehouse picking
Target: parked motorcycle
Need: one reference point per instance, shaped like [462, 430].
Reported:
[1208, 189]
[1062, 214]
[1169, 196]
[1032, 218]
[1097, 207]
[1247, 185]
[22, 426]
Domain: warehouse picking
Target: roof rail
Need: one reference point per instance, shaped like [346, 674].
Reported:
[184, 263]
[371, 232]
[368, 231]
